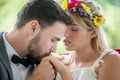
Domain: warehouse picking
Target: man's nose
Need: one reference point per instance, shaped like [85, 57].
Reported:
[53, 49]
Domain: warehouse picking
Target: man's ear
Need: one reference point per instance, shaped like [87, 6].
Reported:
[33, 27]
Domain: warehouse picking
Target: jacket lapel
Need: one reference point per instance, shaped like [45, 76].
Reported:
[4, 57]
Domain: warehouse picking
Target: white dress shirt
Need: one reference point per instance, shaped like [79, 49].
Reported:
[20, 72]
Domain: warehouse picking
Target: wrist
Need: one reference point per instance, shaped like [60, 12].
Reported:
[64, 70]
[66, 74]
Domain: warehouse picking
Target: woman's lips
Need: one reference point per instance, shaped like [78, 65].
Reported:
[66, 42]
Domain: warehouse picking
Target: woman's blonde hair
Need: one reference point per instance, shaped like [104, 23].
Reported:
[99, 42]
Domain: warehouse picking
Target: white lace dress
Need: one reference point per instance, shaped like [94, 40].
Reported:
[87, 73]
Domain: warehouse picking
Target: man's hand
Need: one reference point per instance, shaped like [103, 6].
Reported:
[44, 71]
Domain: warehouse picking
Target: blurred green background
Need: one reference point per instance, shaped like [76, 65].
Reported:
[111, 9]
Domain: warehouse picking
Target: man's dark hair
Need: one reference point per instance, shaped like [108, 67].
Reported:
[46, 12]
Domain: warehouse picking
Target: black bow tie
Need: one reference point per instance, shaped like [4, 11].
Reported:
[24, 61]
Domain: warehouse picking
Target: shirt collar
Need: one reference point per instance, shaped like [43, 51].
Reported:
[10, 50]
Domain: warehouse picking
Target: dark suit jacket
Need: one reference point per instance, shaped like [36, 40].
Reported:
[5, 68]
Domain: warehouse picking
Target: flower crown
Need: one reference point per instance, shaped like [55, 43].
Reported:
[84, 11]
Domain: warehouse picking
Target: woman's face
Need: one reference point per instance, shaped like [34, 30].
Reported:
[77, 37]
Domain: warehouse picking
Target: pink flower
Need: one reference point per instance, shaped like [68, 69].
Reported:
[73, 4]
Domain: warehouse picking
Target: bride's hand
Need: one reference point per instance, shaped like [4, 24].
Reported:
[59, 67]
[59, 57]
[56, 62]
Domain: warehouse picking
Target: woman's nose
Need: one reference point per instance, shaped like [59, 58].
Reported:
[66, 34]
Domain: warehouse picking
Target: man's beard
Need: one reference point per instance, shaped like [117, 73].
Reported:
[34, 50]
[36, 59]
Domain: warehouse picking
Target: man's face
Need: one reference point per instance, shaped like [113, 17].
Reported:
[46, 41]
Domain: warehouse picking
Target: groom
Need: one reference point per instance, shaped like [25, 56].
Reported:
[40, 24]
